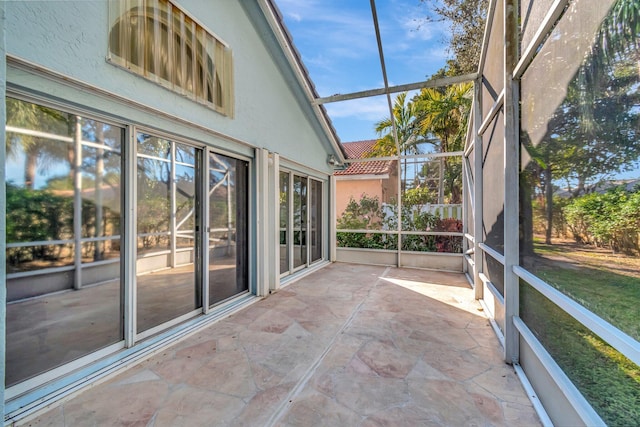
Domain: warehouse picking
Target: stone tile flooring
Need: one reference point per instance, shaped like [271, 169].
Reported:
[348, 345]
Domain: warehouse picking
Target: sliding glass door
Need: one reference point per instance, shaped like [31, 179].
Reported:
[167, 219]
[73, 196]
[285, 233]
[315, 219]
[300, 221]
[63, 253]
[228, 228]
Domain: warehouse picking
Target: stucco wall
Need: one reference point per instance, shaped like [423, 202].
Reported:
[356, 189]
[71, 38]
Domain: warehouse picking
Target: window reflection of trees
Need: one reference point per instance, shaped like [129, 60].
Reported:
[42, 144]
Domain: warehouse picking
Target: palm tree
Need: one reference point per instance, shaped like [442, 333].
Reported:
[445, 114]
[35, 117]
[404, 115]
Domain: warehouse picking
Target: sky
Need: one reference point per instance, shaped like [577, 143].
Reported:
[337, 42]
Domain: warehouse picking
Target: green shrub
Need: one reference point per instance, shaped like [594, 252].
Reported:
[367, 214]
[610, 219]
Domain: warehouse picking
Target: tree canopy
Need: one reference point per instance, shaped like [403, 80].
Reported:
[467, 21]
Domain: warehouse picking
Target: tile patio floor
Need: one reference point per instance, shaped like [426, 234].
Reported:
[348, 345]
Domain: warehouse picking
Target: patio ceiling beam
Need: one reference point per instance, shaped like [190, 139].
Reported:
[444, 81]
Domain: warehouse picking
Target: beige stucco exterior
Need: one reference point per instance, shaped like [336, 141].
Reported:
[384, 187]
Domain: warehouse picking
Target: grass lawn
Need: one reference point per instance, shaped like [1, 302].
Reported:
[605, 284]
[610, 288]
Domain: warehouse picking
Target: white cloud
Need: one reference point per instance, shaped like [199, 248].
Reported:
[371, 109]
[295, 16]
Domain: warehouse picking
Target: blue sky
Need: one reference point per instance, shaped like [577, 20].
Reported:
[336, 39]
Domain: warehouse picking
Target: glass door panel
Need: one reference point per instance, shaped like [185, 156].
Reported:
[316, 219]
[284, 222]
[167, 197]
[299, 221]
[228, 227]
[63, 215]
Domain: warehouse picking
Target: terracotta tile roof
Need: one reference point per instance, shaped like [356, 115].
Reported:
[358, 150]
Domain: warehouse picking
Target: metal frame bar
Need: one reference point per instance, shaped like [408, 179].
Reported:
[477, 187]
[617, 339]
[493, 112]
[77, 203]
[262, 244]
[60, 138]
[130, 244]
[205, 228]
[333, 244]
[173, 206]
[376, 26]
[3, 217]
[492, 252]
[511, 175]
[549, 21]
[425, 156]
[274, 209]
[533, 397]
[433, 83]
[573, 395]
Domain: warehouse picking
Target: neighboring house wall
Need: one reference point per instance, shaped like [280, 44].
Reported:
[374, 179]
[348, 189]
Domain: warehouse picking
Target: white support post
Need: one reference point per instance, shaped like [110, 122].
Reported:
[230, 219]
[511, 193]
[274, 228]
[98, 251]
[262, 219]
[77, 203]
[477, 188]
[3, 209]
[307, 226]
[332, 219]
[172, 215]
[129, 239]
[290, 231]
[399, 212]
[204, 234]
[464, 217]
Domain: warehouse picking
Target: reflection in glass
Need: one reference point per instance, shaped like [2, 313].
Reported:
[166, 203]
[299, 221]
[284, 222]
[63, 226]
[580, 194]
[316, 219]
[153, 205]
[228, 223]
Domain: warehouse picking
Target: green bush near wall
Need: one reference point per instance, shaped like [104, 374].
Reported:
[366, 214]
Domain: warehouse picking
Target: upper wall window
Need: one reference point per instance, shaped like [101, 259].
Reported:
[157, 40]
